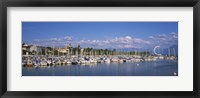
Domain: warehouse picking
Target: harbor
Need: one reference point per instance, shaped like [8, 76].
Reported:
[96, 62]
[100, 48]
[139, 68]
[85, 56]
[38, 61]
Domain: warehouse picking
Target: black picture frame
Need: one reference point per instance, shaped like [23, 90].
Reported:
[98, 3]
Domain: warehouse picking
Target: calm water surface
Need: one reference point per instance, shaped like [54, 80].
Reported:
[147, 68]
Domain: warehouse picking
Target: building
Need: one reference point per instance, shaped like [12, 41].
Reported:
[25, 49]
[63, 51]
[38, 50]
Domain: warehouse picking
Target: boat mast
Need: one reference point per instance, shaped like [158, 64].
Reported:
[174, 52]
[169, 52]
[53, 50]
[59, 52]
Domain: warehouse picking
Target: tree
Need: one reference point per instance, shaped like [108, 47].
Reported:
[23, 44]
[43, 51]
[24, 52]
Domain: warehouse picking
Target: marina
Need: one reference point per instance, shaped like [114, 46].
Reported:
[38, 61]
[100, 65]
[141, 68]
[99, 49]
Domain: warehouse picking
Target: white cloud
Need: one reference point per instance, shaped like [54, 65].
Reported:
[68, 38]
[165, 40]
[128, 46]
[128, 38]
[141, 41]
[115, 42]
[173, 33]
[53, 39]
[162, 36]
[151, 36]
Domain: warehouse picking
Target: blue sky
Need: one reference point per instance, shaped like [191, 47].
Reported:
[101, 34]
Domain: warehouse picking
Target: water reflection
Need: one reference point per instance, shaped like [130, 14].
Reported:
[146, 68]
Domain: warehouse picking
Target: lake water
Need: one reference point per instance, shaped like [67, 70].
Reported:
[146, 68]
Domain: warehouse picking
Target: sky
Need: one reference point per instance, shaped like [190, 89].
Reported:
[101, 35]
